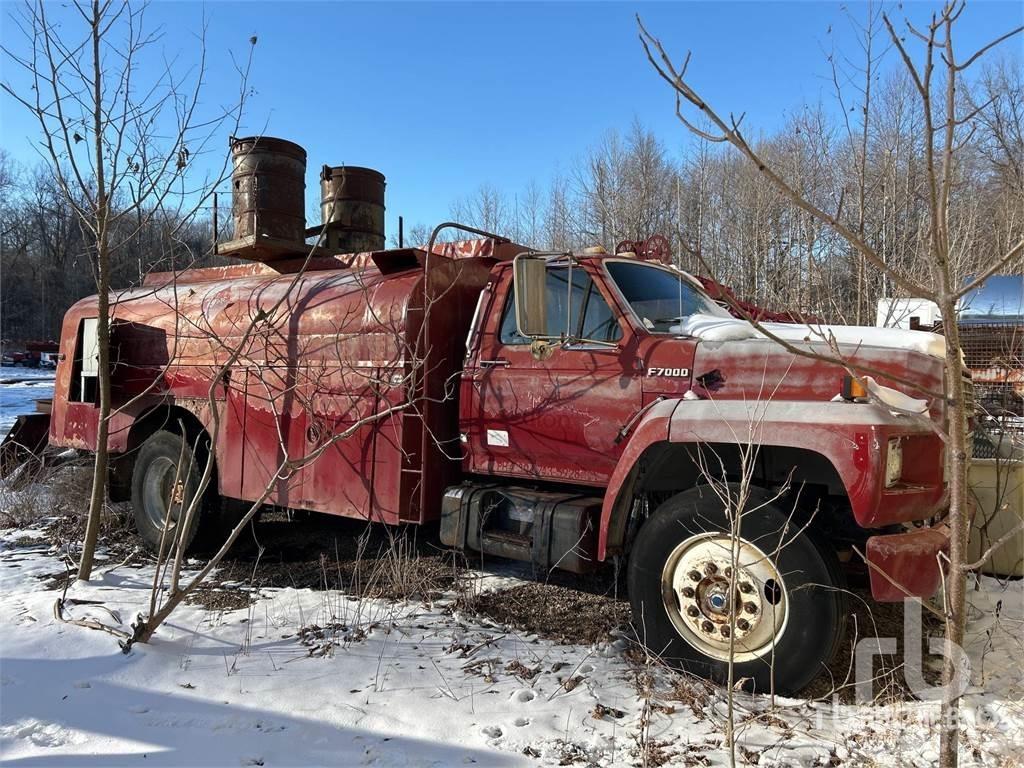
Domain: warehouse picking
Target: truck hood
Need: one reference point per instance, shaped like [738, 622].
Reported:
[714, 328]
[734, 361]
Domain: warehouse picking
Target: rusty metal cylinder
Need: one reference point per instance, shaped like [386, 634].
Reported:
[352, 206]
[268, 189]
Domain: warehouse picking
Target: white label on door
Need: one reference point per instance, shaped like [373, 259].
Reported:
[498, 437]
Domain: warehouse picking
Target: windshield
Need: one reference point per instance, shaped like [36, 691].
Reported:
[659, 297]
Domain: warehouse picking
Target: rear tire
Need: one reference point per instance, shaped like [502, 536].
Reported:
[789, 603]
[157, 484]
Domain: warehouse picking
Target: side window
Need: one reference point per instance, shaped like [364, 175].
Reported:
[509, 333]
[598, 320]
[585, 311]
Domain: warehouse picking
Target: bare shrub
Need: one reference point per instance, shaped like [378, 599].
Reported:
[19, 509]
[399, 572]
[66, 505]
[38, 492]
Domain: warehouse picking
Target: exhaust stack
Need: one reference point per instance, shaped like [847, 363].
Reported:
[268, 198]
[352, 209]
[268, 201]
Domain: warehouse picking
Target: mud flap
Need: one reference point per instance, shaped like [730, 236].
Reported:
[27, 439]
[907, 564]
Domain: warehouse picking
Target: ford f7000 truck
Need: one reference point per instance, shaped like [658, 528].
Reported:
[562, 409]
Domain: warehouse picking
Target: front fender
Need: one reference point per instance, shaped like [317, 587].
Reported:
[851, 436]
[653, 428]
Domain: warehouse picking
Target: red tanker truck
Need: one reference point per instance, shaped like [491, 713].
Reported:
[562, 409]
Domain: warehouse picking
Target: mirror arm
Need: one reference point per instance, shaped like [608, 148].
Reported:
[569, 341]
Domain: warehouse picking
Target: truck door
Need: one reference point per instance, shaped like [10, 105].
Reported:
[553, 416]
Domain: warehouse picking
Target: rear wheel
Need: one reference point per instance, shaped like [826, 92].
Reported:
[781, 613]
[162, 492]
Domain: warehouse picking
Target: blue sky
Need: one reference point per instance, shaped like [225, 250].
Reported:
[444, 97]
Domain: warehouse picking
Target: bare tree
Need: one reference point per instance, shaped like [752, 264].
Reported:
[626, 186]
[487, 208]
[109, 139]
[939, 277]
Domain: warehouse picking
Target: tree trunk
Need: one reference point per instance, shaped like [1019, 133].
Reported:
[959, 522]
[99, 476]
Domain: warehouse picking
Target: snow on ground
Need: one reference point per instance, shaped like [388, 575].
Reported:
[305, 677]
[19, 389]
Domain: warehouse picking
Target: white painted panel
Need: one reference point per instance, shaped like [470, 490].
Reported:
[497, 437]
[90, 347]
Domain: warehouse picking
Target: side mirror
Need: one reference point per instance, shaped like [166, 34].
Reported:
[529, 275]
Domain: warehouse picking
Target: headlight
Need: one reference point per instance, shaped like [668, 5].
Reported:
[893, 462]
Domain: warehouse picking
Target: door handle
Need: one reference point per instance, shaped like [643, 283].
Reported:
[499, 362]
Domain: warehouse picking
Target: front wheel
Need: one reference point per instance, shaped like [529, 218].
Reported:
[784, 617]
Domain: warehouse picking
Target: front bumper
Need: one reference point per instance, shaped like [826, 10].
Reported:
[907, 564]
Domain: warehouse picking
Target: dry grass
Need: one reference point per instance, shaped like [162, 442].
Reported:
[399, 572]
[117, 532]
[36, 493]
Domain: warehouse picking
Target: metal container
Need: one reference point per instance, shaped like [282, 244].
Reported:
[268, 186]
[352, 208]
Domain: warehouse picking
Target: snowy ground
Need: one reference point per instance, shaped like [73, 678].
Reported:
[19, 389]
[304, 677]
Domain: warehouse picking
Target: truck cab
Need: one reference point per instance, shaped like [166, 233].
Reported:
[551, 407]
[609, 408]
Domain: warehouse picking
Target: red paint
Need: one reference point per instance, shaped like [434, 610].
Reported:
[325, 364]
[354, 329]
[861, 454]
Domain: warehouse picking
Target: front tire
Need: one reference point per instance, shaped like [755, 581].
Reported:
[788, 605]
[157, 484]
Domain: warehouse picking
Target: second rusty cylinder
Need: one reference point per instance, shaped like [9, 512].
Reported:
[268, 188]
[352, 207]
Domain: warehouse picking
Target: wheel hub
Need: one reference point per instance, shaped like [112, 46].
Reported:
[713, 606]
[715, 610]
[717, 598]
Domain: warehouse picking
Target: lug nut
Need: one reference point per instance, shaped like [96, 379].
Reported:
[707, 626]
[750, 608]
[692, 611]
[742, 624]
[694, 575]
[724, 630]
[688, 592]
[746, 587]
[710, 569]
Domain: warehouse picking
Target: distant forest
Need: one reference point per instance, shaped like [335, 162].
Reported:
[865, 160]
